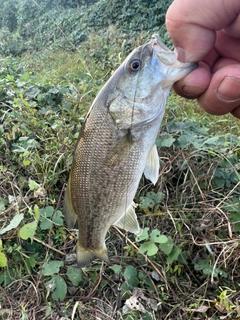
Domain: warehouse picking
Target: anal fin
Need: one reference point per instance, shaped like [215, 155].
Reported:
[151, 170]
[128, 220]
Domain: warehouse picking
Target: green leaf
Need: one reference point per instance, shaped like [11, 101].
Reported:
[143, 235]
[146, 202]
[130, 275]
[149, 248]
[129, 272]
[212, 141]
[48, 217]
[33, 185]
[167, 246]
[58, 218]
[116, 269]
[182, 258]
[208, 270]
[3, 260]
[33, 92]
[28, 231]
[201, 264]
[45, 214]
[147, 317]
[183, 141]
[26, 162]
[74, 275]
[8, 276]
[14, 223]
[125, 290]
[53, 90]
[25, 77]
[60, 290]
[233, 205]
[36, 212]
[222, 273]
[151, 199]
[45, 224]
[236, 227]
[167, 142]
[144, 278]
[173, 255]
[235, 216]
[10, 78]
[51, 267]
[159, 196]
[156, 236]
[2, 205]
[31, 262]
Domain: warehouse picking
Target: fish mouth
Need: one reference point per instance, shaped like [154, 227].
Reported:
[157, 41]
[164, 54]
[169, 57]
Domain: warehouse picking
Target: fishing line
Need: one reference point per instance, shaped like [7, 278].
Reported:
[120, 277]
[131, 126]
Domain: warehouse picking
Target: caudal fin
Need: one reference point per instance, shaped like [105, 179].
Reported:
[86, 256]
[69, 214]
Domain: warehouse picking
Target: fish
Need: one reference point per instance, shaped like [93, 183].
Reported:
[116, 145]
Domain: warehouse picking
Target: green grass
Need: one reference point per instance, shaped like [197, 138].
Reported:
[195, 203]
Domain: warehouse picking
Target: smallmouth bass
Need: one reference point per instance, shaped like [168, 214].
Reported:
[116, 146]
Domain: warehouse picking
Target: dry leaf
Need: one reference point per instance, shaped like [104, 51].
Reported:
[202, 309]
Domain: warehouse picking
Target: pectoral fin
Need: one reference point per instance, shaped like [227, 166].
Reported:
[151, 170]
[69, 214]
[120, 151]
[128, 220]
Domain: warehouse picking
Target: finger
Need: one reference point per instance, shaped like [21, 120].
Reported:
[194, 84]
[236, 112]
[196, 41]
[228, 46]
[223, 93]
[222, 63]
[192, 24]
[233, 29]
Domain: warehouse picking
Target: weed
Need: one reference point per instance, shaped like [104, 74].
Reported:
[185, 261]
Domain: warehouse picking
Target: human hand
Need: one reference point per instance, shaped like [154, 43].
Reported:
[208, 32]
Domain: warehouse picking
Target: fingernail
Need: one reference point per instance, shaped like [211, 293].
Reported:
[229, 89]
[180, 54]
[192, 90]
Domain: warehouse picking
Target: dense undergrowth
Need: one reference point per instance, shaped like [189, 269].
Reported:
[32, 25]
[184, 265]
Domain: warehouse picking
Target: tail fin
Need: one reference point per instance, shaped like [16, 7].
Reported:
[69, 214]
[86, 256]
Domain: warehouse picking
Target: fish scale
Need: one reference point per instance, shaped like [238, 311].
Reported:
[116, 146]
[99, 195]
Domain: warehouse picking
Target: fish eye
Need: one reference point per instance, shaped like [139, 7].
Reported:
[134, 65]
